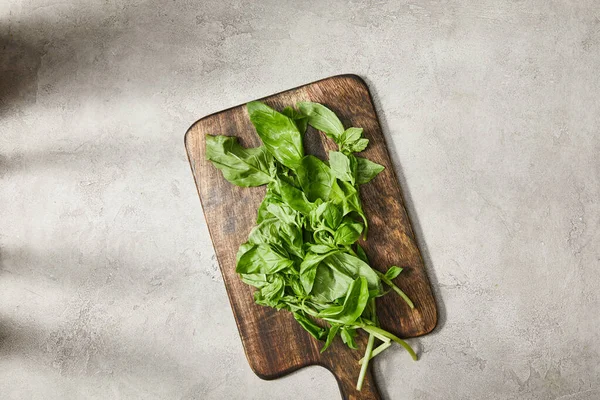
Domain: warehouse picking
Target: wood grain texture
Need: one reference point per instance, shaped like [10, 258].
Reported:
[274, 343]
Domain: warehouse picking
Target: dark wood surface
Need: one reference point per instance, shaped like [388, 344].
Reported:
[274, 343]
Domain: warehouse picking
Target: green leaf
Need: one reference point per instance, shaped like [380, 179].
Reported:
[352, 141]
[260, 259]
[310, 326]
[295, 198]
[330, 336]
[256, 280]
[331, 310]
[300, 119]
[315, 178]
[332, 215]
[366, 170]
[270, 294]
[270, 197]
[348, 335]
[308, 268]
[291, 235]
[240, 166]
[354, 267]
[392, 272]
[348, 233]
[296, 286]
[278, 132]
[358, 146]
[264, 233]
[320, 248]
[324, 237]
[343, 166]
[360, 252]
[346, 196]
[330, 283]
[326, 214]
[285, 213]
[354, 304]
[323, 119]
[351, 135]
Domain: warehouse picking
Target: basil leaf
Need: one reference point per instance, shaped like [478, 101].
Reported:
[270, 198]
[271, 293]
[348, 233]
[240, 166]
[310, 326]
[352, 141]
[295, 198]
[285, 214]
[327, 214]
[345, 195]
[354, 267]
[308, 268]
[315, 178]
[358, 146]
[392, 272]
[355, 302]
[320, 248]
[332, 215]
[264, 233]
[330, 283]
[330, 336]
[351, 135]
[366, 170]
[294, 283]
[260, 259]
[323, 119]
[347, 335]
[332, 310]
[343, 166]
[300, 119]
[360, 252]
[256, 280]
[292, 236]
[324, 237]
[278, 132]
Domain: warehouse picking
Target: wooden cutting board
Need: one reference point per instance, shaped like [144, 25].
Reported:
[274, 343]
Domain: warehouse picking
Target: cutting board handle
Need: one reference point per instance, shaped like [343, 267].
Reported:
[346, 379]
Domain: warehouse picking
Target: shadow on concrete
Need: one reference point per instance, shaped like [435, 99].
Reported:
[410, 209]
[23, 53]
[63, 50]
[19, 65]
[87, 340]
[76, 348]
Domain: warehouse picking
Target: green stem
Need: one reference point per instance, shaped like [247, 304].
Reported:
[379, 336]
[374, 312]
[326, 229]
[375, 330]
[396, 289]
[376, 351]
[365, 365]
[349, 250]
[307, 309]
[365, 322]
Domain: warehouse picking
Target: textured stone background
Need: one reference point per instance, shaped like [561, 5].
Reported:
[108, 282]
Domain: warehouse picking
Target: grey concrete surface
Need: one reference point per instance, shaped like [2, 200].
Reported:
[108, 283]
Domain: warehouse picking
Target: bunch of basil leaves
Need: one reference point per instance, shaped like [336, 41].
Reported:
[303, 255]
